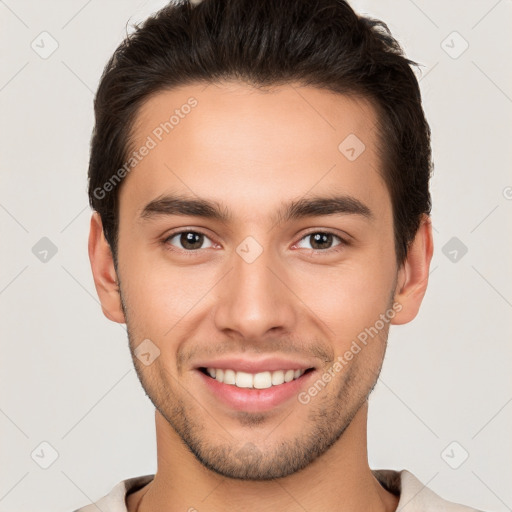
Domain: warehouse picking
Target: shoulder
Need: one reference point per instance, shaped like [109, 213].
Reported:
[115, 500]
[414, 495]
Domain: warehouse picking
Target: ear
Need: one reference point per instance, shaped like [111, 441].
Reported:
[413, 274]
[103, 271]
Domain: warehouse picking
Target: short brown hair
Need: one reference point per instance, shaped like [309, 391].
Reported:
[320, 43]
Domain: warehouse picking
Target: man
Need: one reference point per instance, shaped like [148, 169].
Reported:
[260, 178]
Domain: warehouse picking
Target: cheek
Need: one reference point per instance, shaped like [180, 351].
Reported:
[163, 299]
[349, 298]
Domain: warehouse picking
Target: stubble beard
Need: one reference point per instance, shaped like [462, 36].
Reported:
[328, 417]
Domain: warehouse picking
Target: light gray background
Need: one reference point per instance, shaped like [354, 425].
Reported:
[66, 374]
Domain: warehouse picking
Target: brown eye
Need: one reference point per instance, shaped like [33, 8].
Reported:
[320, 240]
[189, 240]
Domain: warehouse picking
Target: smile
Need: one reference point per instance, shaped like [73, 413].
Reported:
[254, 392]
[260, 380]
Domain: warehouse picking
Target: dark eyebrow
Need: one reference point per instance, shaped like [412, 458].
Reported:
[182, 205]
[297, 209]
[319, 206]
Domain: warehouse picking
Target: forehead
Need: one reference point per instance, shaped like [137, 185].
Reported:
[232, 141]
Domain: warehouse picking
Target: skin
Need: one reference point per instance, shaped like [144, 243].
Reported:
[253, 151]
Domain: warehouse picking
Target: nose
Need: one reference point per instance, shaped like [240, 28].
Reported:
[255, 300]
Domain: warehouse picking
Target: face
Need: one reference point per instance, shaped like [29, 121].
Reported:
[253, 241]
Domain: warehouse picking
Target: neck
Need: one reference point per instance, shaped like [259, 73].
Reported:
[338, 480]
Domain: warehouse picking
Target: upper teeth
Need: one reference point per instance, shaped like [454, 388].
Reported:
[254, 380]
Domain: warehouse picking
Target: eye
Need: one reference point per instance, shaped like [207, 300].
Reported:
[189, 240]
[321, 240]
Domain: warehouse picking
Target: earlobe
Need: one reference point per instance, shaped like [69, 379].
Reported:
[104, 273]
[413, 275]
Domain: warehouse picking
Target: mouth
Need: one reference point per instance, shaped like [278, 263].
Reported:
[260, 380]
[254, 392]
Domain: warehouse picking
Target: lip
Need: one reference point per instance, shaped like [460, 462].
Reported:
[255, 400]
[255, 366]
